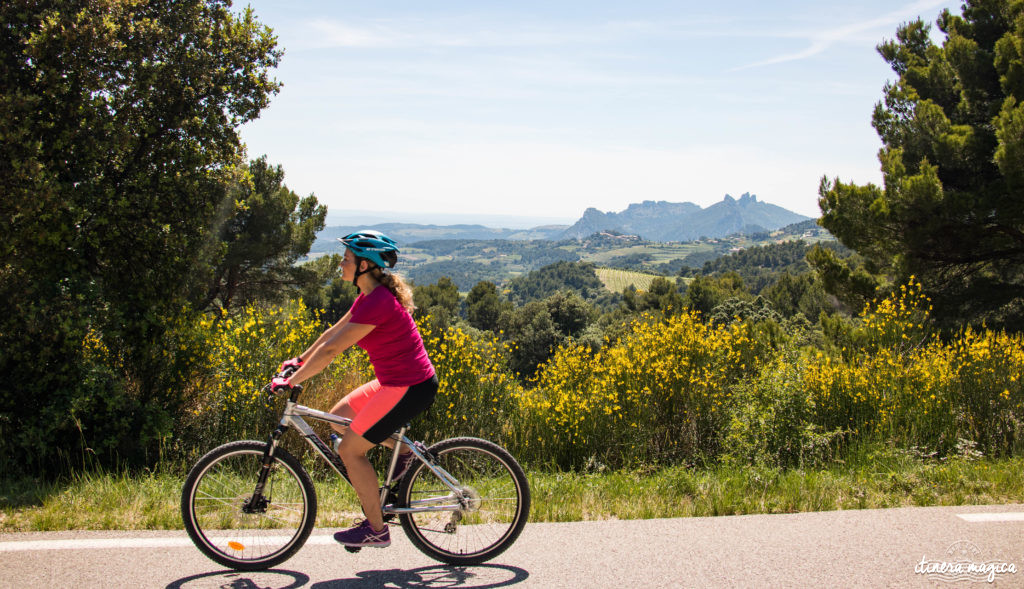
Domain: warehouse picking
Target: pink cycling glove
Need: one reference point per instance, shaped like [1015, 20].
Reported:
[280, 383]
[295, 362]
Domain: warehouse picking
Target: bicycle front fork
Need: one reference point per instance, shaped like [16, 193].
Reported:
[258, 503]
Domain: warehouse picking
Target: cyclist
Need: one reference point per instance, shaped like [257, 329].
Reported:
[381, 323]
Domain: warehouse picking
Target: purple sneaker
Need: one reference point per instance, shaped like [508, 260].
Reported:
[363, 535]
[405, 462]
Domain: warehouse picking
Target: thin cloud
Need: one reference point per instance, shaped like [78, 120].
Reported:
[821, 42]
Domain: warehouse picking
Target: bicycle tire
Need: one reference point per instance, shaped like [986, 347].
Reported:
[220, 484]
[498, 502]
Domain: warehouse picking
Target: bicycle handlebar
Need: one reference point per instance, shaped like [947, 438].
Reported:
[288, 371]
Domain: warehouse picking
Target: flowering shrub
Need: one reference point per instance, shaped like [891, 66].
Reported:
[897, 324]
[477, 394]
[243, 352]
[661, 394]
[907, 386]
[989, 368]
[681, 390]
[669, 390]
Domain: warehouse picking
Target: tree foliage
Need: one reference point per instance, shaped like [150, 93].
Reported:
[951, 211]
[461, 272]
[118, 123]
[440, 301]
[662, 296]
[801, 293]
[270, 230]
[570, 313]
[760, 266]
[544, 282]
[847, 279]
[707, 292]
[484, 306]
[327, 294]
[739, 309]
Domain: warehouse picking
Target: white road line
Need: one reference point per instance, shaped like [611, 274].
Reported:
[100, 543]
[1016, 516]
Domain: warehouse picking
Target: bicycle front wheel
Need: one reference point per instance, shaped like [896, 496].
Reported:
[482, 519]
[228, 526]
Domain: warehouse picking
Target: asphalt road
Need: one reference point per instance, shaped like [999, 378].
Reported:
[907, 547]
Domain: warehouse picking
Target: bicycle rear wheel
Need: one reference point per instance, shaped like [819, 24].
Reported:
[493, 505]
[215, 506]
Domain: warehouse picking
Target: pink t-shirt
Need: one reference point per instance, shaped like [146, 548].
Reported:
[394, 346]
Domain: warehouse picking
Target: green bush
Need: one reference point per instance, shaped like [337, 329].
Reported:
[773, 421]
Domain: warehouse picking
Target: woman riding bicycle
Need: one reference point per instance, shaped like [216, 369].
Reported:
[381, 323]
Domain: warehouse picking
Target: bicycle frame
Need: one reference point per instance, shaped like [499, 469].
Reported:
[293, 417]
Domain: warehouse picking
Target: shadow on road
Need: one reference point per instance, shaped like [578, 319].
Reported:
[272, 579]
[432, 577]
[468, 577]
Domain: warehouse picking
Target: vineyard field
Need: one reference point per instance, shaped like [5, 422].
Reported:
[617, 280]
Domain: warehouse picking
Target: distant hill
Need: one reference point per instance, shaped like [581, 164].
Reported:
[653, 221]
[351, 218]
[666, 221]
[500, 259]
[409, 233]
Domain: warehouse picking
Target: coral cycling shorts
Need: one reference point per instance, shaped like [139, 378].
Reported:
[381, 410]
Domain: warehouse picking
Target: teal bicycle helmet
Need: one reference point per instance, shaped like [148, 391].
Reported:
[373, 246]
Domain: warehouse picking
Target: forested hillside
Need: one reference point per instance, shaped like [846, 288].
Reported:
[467, 262]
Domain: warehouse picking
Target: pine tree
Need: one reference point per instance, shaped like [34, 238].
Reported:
[951, 212]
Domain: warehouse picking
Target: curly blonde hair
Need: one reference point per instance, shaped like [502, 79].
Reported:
[397, 286]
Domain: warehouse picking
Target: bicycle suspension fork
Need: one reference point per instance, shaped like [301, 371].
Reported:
[258, 503]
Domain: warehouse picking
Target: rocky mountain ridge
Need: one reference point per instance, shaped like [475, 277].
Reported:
[652, 220]
[667, 221]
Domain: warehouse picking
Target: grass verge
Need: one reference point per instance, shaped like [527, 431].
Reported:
[742, 490]
[149, 501]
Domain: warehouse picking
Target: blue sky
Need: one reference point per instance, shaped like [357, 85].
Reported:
[542, 109]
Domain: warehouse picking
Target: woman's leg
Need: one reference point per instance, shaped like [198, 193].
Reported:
[349, 405]
[353, 450]
[377, 411]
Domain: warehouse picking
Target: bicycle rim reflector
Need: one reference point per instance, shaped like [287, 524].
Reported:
[236, 546]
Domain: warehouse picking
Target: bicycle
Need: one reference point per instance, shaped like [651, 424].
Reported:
[250, 505]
